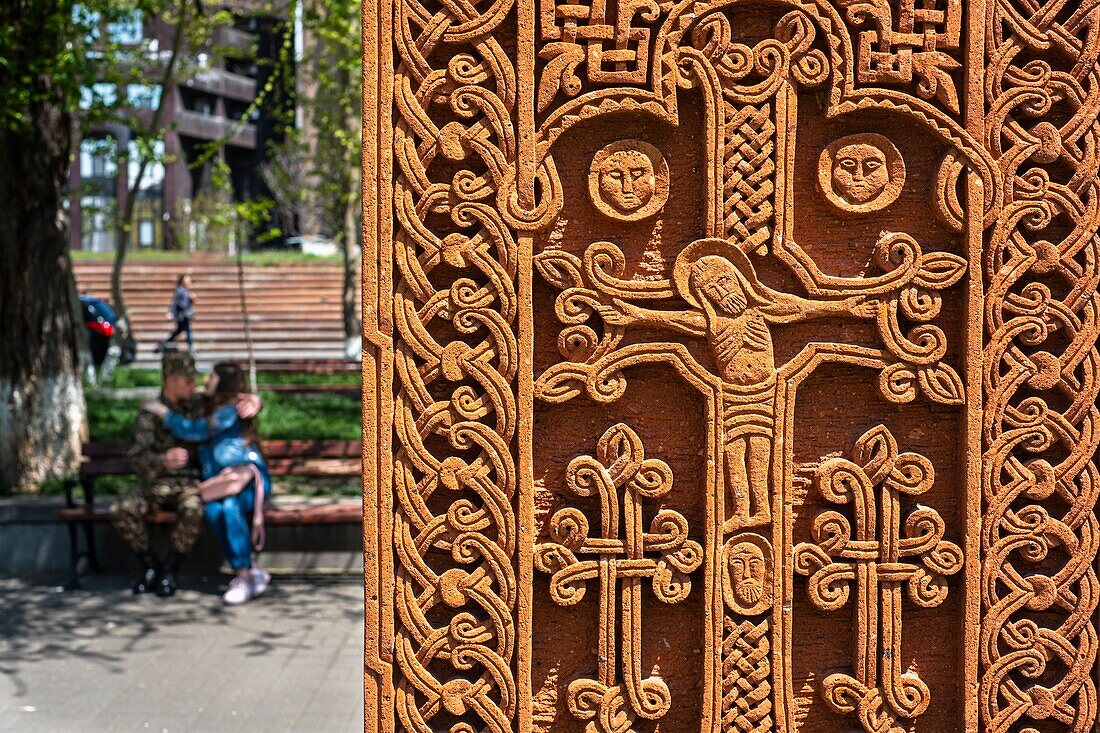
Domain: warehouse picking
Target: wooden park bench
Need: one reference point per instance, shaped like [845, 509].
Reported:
[308, 458]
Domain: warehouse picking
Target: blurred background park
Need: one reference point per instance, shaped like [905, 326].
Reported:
[141, 140]
[161, 137]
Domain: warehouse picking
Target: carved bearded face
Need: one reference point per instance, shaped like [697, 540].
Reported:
[747, 568]
[716, 280]
[860, 173]
[627, 180]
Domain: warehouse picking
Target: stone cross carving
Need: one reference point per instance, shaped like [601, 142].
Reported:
[623, 554]
[882, 550]
[734, 311]
[749, 229]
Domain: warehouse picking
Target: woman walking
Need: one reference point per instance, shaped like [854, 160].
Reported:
[181, 310]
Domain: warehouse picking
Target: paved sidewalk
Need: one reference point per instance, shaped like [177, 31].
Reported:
[104, 660]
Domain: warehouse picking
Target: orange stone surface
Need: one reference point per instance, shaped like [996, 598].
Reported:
[731, 365]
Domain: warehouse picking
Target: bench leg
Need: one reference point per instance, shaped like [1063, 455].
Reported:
[74, 558]
[87, 483]
[90, 551]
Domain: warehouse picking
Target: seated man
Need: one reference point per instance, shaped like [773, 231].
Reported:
[168, 478]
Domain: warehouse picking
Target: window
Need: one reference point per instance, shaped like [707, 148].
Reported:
[100, 94]
[204, 107]
[153, 177]
[87, 19]
[97, 158]
[126, 30]
[143, 96]
[146, 232]
[96, 232]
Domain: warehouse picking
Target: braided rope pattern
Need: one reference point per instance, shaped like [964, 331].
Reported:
[455, 319]
[749, 174]
[1040, 533]
[746, 675]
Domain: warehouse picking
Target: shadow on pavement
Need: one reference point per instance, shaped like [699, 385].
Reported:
[103, 625]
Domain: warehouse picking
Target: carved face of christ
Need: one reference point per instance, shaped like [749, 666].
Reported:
[626, 180]
[747, 565]
[716, 279]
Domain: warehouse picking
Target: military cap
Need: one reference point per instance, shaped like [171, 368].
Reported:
[178, 364]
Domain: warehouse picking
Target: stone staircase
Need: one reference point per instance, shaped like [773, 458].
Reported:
[294, 308]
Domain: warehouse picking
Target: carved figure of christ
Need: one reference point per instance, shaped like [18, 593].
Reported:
[734, 312]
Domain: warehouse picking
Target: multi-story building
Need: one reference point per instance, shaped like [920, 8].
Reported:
[208, 113]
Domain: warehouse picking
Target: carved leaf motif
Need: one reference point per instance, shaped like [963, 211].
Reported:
[560, 73]
[939, 270]
[560, 269]
[876, 451]
[932, 68]
[942, 384]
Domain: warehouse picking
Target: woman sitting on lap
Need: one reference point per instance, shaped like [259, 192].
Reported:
[235, 477]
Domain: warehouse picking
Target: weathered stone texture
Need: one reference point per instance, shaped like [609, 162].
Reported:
[731, 365]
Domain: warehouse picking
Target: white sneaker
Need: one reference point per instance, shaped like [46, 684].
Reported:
[240, 591]
[260, 580]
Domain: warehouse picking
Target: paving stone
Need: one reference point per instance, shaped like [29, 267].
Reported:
[102, 659]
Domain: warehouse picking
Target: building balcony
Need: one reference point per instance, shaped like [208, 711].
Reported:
[223, 84]
[211, 127]
[233, 38]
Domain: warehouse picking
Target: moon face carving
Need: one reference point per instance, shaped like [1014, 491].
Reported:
[628, 180]
[861, 173]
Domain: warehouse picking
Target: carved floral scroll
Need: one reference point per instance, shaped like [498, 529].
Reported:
[882, 554]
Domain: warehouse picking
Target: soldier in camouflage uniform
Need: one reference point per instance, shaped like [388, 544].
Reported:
[168, 478]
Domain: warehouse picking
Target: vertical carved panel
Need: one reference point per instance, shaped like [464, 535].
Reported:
[1039, 530]
[731, 365]
[455, 360]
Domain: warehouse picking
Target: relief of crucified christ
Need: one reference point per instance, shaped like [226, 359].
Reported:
[733, 311]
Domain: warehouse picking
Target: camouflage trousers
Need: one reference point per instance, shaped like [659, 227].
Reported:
[128, 514]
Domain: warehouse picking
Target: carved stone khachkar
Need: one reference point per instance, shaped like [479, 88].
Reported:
[731, 365]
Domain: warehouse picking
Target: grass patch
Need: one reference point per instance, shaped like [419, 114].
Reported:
[284, 417]
[127, 377]
[111, 420]
[347, 378]
[317, 417]
[318, 486]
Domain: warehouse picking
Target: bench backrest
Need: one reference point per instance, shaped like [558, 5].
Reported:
[284, 458]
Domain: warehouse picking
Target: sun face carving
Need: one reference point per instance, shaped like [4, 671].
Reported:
[628, 180]
[861, 173]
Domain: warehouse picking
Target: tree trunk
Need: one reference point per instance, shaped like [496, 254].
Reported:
[249, 346]
[353, 329]
[41, 396]
[124, 222]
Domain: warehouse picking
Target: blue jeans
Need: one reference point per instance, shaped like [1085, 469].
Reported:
[231, 521]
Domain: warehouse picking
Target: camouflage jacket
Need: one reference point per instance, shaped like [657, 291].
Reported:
[152, 440]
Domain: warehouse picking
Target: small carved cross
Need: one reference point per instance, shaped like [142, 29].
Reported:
[622, 553]
[873, 557]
